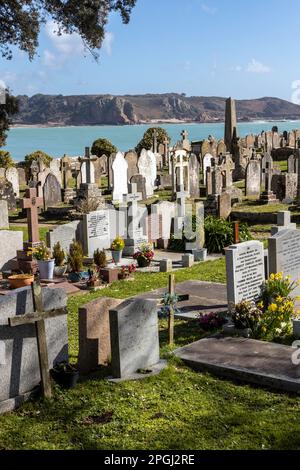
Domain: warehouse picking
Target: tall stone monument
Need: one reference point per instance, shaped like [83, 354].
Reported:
[230, 123]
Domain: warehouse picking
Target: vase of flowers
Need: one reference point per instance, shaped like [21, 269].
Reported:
[117, 247]
[127, 271]
[144, 255]
[44, 259]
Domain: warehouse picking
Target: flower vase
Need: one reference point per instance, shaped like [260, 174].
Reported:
[46, 268]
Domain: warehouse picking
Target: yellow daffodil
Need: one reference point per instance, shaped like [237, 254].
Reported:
[273, 308]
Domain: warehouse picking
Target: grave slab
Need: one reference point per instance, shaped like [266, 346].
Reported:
[246, 360]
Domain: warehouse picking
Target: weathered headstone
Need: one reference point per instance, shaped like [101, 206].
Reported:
[12, 176]
[132, 161]
[245, 272]
[140, 182]
[147, 168]
[194, 170]
[64, 234]
[20, 372]
[7, 194]
[52, 192]
[12, 241]
[253, 178]
[134, 337]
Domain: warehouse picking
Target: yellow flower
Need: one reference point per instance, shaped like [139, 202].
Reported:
[272, 277]
[264, 329]
[260, 305]
[279, 299]
[273, 308]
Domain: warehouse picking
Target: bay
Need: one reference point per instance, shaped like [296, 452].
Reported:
[57, 141]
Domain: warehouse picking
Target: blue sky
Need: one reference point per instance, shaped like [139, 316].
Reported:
[205, 48]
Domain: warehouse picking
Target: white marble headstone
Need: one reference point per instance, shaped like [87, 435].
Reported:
[119, 170]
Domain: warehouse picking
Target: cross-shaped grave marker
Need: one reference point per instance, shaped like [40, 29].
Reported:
[31, 203]
[89, 159]
[38, 319]
[181, 196]
[132, 199]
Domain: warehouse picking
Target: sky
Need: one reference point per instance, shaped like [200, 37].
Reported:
[224, 48]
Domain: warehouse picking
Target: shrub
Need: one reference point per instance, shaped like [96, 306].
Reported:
[75, 257]
[100, 258]
[6, 160]
[58, 254]
[219, 234]
[147, 140]
[247, 315]
[103, 147]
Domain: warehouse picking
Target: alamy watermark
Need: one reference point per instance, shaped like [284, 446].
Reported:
[295, 98]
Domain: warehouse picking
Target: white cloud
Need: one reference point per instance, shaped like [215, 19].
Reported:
[66, 44]
[208, 9]
[108, 42]
[49, 59]
[257, 67]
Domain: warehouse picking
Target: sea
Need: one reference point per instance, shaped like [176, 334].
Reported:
[57, 141]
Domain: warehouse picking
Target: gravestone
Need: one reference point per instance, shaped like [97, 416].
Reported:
[103, 162]
[135, 232]
[253, 178]
[165, 210]
[266, 164]
[96, 231]
[284, 255]
[7, 194]
[292, 164]
[20, 370]
[4, 223]
[51, 192]
[41, 179]
[194, 170]
[283, 222]
[245, 271]
[224, 205]
[22, 176]
[180, 170]
[134, 337]
[140, 182]
[94, 334]
[207, 163]
[12, 176]
[132, 161]
[64, 234]
[120, 178]
[55, 169]
[147, 168]
[12, 241]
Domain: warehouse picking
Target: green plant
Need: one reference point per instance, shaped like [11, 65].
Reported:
[118, 244]
[145, 251]
[58, 254]
[6, 160]
[100, 258]
[219, 234]
[169, 301]
[103, 147]
[75, 257]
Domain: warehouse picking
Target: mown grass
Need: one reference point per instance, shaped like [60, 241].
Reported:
[178, 409]
[18, 228]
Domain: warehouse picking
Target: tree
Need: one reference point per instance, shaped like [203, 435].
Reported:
[147, 140]
[40, 156]
[7, 110]
[103, 147]
[6, 160]
[21, 20]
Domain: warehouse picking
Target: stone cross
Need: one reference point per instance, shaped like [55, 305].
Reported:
[88, 159]
[166, 150]
[38, 319]
[31, 202]
[132, 201]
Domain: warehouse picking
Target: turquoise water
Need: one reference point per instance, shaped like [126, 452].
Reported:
[57, 141]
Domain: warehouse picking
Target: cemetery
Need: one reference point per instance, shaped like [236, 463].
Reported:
[154, 293]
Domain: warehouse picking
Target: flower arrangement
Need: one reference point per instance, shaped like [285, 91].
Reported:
[271, 316]
[169, 301]
[40, 253]
[211, 321]
[126, 271]
[118, 244]
[144, 255]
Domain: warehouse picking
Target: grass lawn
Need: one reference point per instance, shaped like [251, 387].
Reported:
[42, 230]
[179, 409]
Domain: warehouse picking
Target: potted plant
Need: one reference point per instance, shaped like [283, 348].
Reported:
[59, 256]
[44, 259]
[65, 375]
[94, 279]
[100, 259]
[117, 247]
[75, 261]
[144, 255]
[20, 280]
[127, 271]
